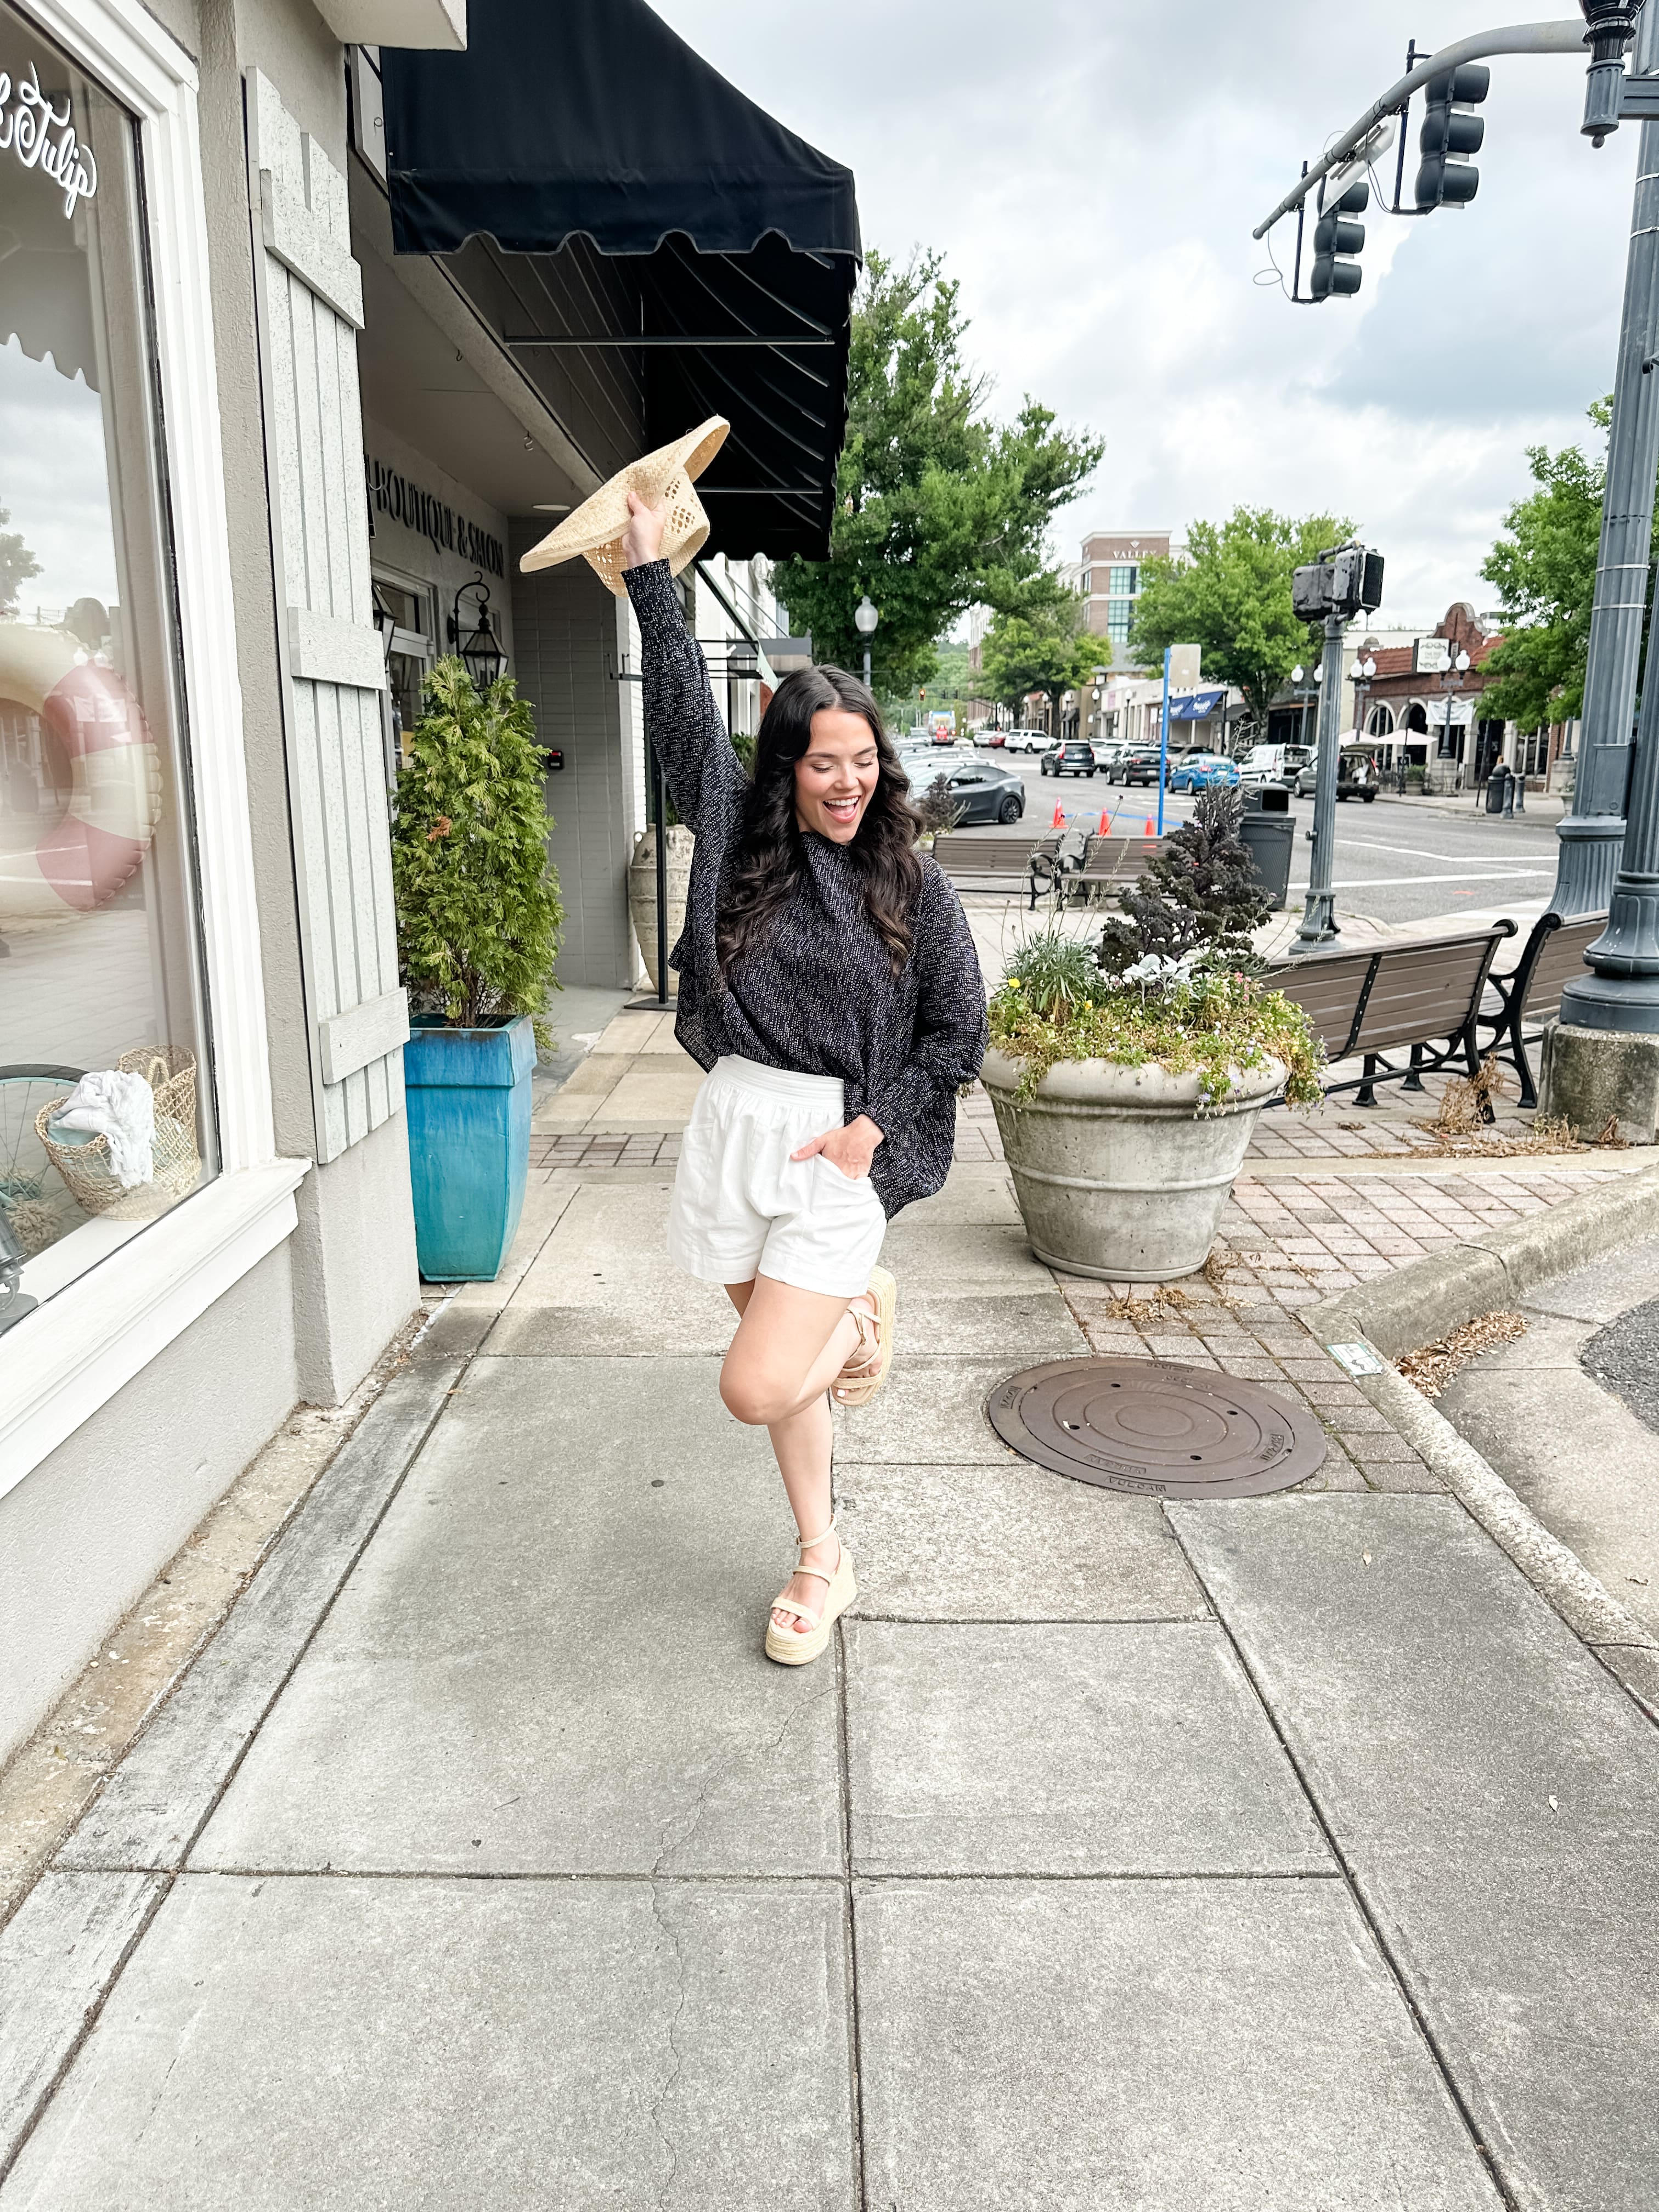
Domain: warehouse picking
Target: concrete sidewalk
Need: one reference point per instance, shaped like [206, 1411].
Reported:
[1287, 1853]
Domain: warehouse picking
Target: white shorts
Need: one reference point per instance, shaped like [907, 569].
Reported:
[742, 1207]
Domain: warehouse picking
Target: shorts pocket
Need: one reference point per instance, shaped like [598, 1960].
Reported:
[837, 1193]
[854, 1182]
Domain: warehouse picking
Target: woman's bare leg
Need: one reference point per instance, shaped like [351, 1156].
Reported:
[790, 1347]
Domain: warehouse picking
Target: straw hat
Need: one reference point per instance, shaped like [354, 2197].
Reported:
[595, 529]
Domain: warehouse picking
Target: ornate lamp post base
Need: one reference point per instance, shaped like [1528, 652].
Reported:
[1588, 862]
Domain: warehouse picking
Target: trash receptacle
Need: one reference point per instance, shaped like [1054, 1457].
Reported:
[1268, 831]
[1497, 787]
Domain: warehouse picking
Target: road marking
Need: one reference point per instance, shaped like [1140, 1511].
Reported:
[1392, 883]
[1416, 852]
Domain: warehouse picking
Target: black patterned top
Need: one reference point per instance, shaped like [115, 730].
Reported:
[818, 996]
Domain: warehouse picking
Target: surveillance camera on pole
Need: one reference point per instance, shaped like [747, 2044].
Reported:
[1341, 583]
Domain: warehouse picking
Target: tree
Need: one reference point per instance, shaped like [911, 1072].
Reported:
[478, 904]
[1231, 595]
[1545, 574]
[1201, 893]
[1045, 648]
[937, 507]
[17, 565]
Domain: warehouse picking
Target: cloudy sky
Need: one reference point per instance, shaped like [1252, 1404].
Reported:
[1093, 170]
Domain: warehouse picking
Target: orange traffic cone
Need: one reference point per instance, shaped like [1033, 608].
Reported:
[1059, 822]
[1149, 831]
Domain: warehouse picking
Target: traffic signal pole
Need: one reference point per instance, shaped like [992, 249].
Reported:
[1318, 930]
[1592, 834]
[1565, 38]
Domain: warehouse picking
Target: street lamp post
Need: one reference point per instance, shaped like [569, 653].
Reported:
[865, 618]
[1451, 683]
[1362, 672]
[1299, 677]
[1592, 833]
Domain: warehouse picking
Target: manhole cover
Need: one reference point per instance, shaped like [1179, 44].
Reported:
[1155, 1427]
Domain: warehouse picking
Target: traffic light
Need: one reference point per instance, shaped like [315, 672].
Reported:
[1450, 130]
[1345, 580]
[1338, 236]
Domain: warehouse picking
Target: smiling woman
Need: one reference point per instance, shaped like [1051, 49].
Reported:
[830, 984]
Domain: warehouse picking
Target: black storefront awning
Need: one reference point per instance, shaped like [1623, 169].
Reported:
[622, 217]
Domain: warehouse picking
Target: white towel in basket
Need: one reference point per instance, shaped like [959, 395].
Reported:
[121, 1109]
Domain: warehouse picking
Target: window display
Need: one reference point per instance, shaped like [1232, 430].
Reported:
[105, 1102]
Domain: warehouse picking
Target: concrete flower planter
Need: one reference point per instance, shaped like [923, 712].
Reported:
[642, 894]
[1117, 1172]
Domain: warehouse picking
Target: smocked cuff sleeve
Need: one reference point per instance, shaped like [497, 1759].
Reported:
[703, 774]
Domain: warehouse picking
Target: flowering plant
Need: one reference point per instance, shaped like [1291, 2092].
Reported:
[1171, 982]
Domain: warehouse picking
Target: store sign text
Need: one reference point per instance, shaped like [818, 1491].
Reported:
[28, 122]
[418, 510]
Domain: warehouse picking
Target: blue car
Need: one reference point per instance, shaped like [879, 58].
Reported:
[1201, 772]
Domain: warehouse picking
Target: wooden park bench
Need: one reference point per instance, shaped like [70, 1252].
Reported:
[975, 860]
[1110, 863]
[1421, 995]
[1529, 993]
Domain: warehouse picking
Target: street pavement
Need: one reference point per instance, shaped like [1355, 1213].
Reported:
[1397, 860]
[1283, 1852]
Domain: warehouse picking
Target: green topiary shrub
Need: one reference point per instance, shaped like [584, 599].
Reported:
[477, 902]
[1201, 895]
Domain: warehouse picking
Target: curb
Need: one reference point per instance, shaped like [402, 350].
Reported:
[1434, 1294]
[1418, 1303]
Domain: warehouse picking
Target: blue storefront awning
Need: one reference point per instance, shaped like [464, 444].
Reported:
[1197, 706]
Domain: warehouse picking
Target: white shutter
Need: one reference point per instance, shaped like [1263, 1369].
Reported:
[310, 309]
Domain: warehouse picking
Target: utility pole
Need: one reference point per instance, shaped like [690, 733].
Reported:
[1343, 582]
[1318, 930]
[1592, 833]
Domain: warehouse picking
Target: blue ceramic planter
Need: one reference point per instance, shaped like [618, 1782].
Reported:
[468, 1093]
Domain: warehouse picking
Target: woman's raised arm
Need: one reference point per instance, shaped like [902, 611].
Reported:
[705, 777]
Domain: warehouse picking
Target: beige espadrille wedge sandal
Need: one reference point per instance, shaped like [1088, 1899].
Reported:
[867, 1370]
[793, 1647]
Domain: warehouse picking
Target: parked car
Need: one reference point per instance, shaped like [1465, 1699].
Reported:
[1200, 771]
[985, 790]
[1025, 741]
[1075, 758]
[1139, 764]
[996, 740]
[1356, 776]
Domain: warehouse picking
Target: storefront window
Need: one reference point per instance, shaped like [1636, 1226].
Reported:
[409, 654]
[100, 972]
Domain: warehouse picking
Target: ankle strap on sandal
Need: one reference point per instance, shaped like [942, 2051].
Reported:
[810, 1543]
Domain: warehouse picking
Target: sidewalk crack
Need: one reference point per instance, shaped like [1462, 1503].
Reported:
[677, 2056]
[719, 1769]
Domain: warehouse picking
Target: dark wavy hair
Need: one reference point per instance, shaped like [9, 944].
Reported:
[769, 854]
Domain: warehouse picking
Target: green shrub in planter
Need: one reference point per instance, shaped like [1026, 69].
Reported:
[478, 918]
[478, 911]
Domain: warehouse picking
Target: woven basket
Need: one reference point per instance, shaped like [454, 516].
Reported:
[170, 1074]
